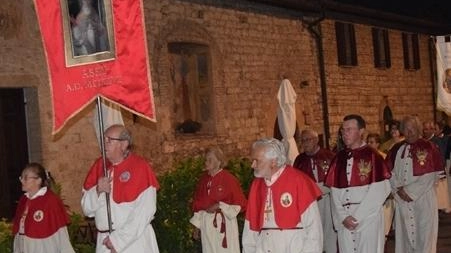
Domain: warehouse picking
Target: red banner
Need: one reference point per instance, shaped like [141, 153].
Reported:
[95, 48]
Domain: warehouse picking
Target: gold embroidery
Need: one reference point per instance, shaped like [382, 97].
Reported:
[324, 165]
[421, 156]
[364, 169]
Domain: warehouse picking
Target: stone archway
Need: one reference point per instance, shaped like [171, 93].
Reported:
[185, 46]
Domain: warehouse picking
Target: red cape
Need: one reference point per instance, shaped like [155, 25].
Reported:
[46, 215]
[223, 187]
[426, 157]
[368, 167]
[322, 160]
[131, 177]
[293, 183]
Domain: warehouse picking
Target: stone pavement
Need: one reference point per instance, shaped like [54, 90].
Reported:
[444, 236]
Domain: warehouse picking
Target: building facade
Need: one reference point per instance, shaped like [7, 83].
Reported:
[216, 70]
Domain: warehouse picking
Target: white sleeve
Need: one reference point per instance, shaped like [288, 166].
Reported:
[339, 213]
[196, 219]
[423, 183]
[311, 222]
[91, 201]
[249, 239]
[324, 189]
[395, 183]
[229, 211]
[373, 200]
[144, 208]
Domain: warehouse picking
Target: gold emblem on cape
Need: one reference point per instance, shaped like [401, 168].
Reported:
[364, 169]
[421, 156]
[324, 165]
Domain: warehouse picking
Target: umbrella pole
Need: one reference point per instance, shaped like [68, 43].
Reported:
[102, 146]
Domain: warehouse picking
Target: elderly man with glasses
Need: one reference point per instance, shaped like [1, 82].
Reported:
[132, 187]
[315, 161]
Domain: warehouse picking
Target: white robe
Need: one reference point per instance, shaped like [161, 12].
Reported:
[309, 239]
[59, 242]
[369, 234]
[212, 237]
[389, 211]
[416, 222]
[56, 243]
[366, 208]
[329, 233]
[133, 232]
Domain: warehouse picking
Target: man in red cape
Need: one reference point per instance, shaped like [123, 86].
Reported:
[415, 164]
[358, 178]
[315, 162]
[282, 214]
[133, 186]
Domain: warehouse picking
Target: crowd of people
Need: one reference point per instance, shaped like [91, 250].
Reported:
[342, 201]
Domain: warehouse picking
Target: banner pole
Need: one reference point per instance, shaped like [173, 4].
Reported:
[102, 146]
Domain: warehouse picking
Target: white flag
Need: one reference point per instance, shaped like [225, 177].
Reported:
[111, 113]
[443, 46]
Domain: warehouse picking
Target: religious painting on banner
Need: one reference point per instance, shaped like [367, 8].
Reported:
[95, 48]
[88, 31]
[443, 45]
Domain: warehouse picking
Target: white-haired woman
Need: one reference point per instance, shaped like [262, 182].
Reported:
[218, 200]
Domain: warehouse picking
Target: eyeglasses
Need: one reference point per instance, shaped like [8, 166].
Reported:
[25, 178]
[109, 139]
[349, 129]
[306, 139]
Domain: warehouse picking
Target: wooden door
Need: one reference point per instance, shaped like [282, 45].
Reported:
[13, 148]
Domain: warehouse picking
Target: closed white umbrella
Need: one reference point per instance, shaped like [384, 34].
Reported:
[286, 117]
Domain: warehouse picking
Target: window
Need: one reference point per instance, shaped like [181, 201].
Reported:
[381, 48]
[411, 51]
[190, 76]
[346, 47]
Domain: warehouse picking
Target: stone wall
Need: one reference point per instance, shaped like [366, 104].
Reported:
[365, 89]
[250, 53]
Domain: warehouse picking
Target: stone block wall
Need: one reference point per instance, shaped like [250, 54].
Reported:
[361, 89]
[250, 52]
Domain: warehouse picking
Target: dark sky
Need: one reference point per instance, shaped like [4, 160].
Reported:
[436, 10]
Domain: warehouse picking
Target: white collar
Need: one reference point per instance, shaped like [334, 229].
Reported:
[41, 192]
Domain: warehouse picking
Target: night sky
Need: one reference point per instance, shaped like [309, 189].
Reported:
[435, 10]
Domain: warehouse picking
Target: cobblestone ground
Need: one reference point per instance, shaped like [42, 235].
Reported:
[444, 236]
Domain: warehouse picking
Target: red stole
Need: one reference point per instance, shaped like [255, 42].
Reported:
[292, 194]
[223, 187]
[425, 155]
[368, 167]
[46, 215]
[321, 160]
[131, 177]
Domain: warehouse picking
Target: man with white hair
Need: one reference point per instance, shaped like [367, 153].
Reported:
[282, 214]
